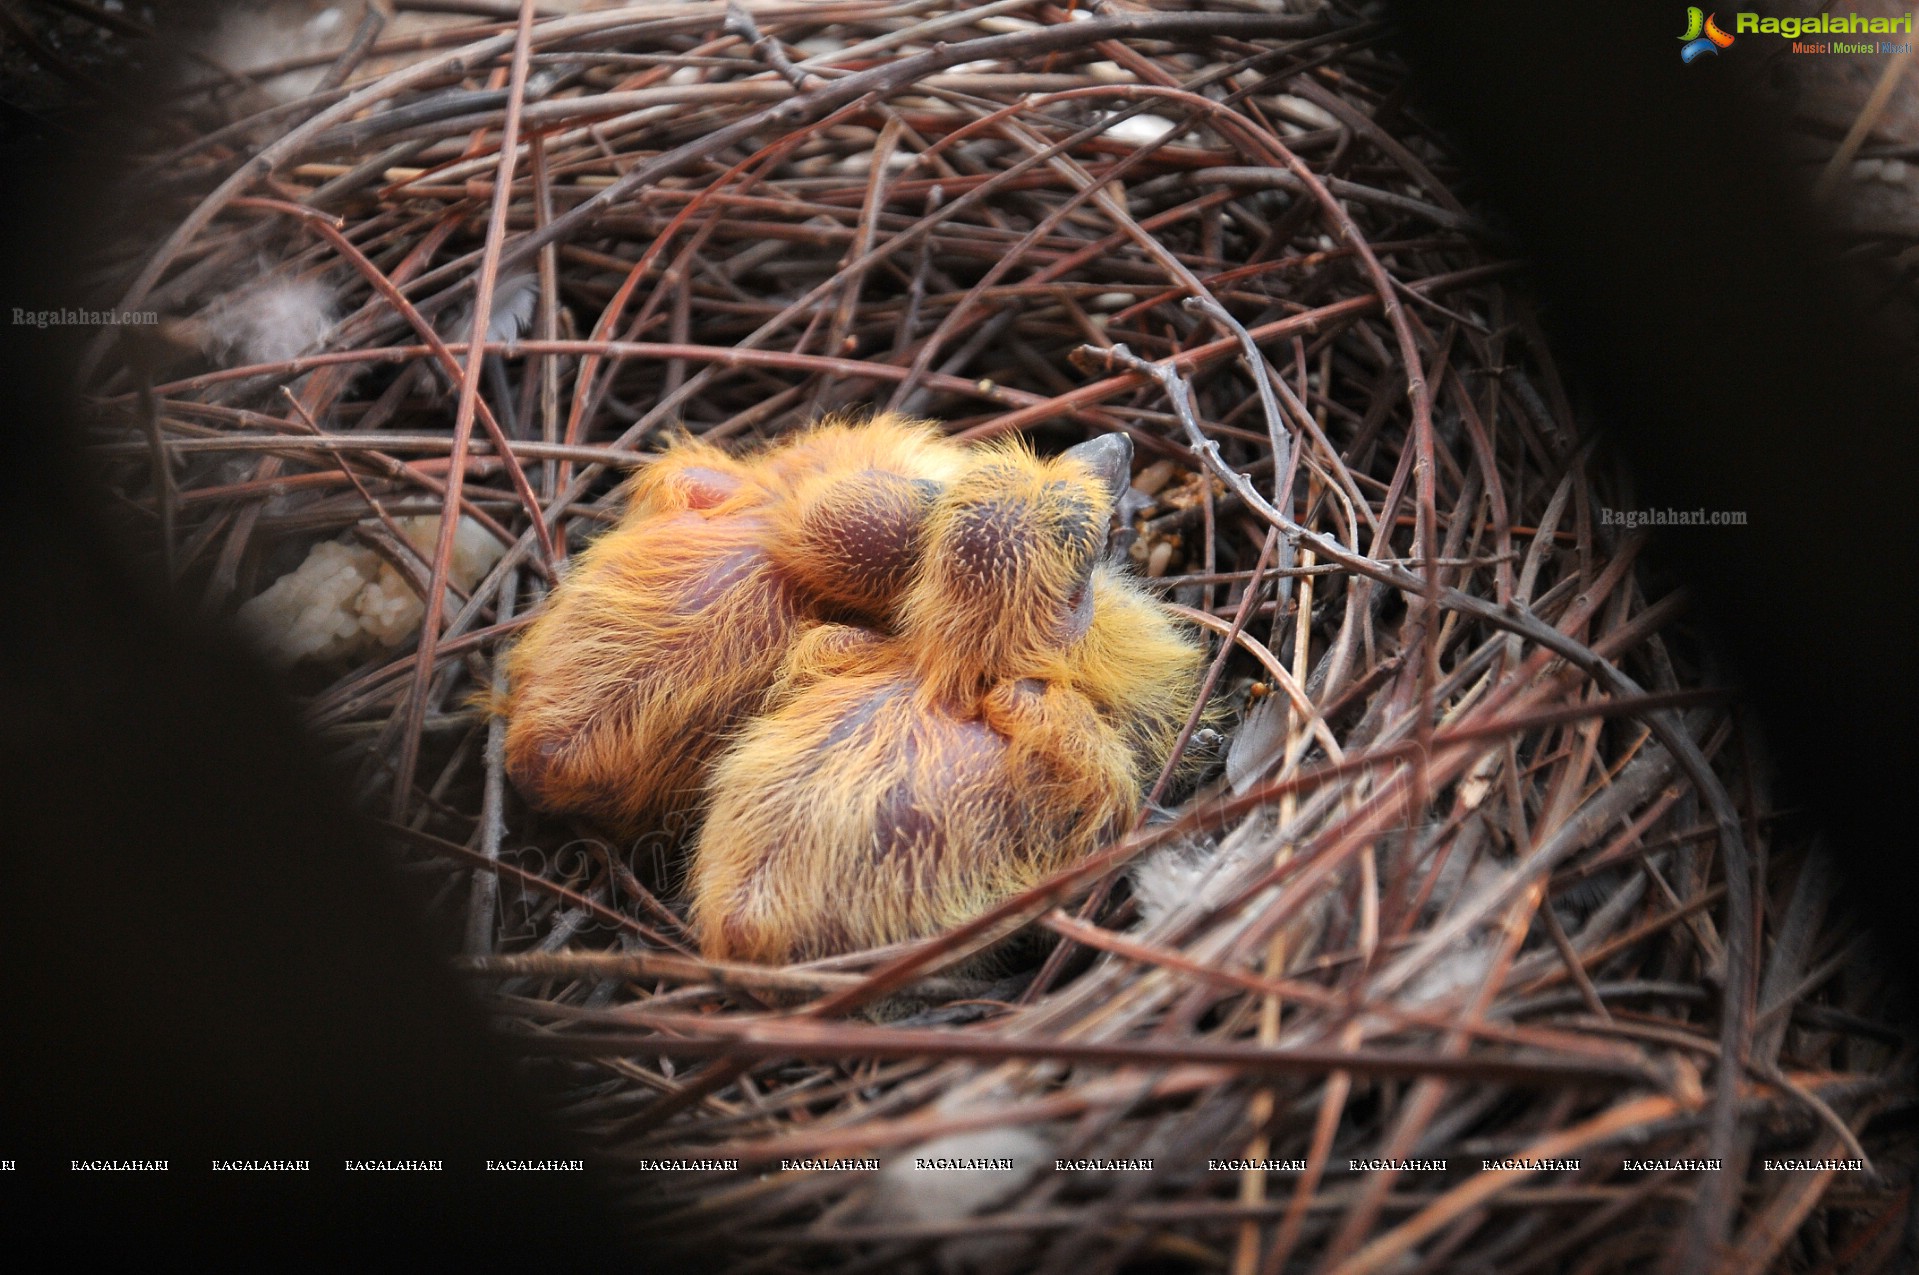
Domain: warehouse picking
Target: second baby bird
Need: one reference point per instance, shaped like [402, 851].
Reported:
[899, 785]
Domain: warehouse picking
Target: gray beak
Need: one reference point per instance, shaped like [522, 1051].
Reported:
[1110, 456]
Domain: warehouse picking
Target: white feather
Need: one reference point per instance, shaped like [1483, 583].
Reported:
[514, 301]
[1257, 743]
[1164, 880]
[249, 38]
[1457, 973]
[271, 322]
[909, 1194]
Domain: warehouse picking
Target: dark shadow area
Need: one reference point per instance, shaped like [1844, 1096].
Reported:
[205, 955]
[1734, 358]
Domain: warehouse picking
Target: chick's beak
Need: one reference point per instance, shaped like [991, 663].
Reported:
[1110, 457]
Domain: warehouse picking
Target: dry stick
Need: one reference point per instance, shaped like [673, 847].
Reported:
[1057, 958]
[483, 898]
[1288, 682]
[1862, 125]
[1712, 1219]
[766, 48]
[691, 1036]
[1260, 178]
[1422, 1103]
[1200, 356]
[723, 356]
[166, 487]
[347, 698]
[415, 559]
[463, 421]
[328, 228]
[549, 321]
[355, 52]
[652, 965]
[1263, 381]
[531, 880]
[1314, 996]
[838, 336]
[376, 446]
[1608, 1126]
[586, 395]
[895, 75]
[889, 78]
[415, 473]
[269, 158]
[1007, 917]
[1088, 189]
[1360, 122]
[1252, 1186]
[913, 33]
[1488, 463]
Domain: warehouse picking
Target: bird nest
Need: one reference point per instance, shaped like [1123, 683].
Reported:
[1479, 943]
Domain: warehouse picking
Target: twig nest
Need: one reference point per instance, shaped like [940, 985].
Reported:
[1468, 662]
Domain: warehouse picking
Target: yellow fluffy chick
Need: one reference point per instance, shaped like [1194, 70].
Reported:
[669, 632]
[902, 785]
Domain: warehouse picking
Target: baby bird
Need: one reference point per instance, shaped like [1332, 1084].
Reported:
[671, 629]
[902, 785]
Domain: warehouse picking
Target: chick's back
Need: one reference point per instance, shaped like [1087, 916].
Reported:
[862, 814]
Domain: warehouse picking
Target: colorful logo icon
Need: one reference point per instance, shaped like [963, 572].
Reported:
[1713, 39]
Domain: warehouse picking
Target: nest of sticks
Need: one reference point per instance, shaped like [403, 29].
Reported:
[1488, 869]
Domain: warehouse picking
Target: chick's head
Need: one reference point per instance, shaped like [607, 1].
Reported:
[854, 501]
[853, 538]
[1005, 582]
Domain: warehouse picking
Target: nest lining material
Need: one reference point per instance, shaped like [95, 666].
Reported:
[1493, 871]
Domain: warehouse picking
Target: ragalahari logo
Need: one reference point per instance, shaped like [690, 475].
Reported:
[1711, 41]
